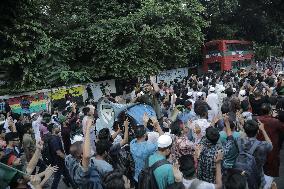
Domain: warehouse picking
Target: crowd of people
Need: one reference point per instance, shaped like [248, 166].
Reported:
[214, 131]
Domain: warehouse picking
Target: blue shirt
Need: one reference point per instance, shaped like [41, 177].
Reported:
[186, 116]
[164, 174]
[140, 151]
[223, 136]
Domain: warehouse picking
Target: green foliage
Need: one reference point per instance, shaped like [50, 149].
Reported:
[59, 42]
[263, 51]
[261, 21]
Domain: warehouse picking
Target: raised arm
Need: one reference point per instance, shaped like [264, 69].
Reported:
[218, 173]
[154, 84]
[87, 145]
[126, 127]
[33, 162]
[157, 126]
[266, 137]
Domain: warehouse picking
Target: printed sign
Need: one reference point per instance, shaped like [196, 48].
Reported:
[170, 75]
[61, 95]
[97, 90]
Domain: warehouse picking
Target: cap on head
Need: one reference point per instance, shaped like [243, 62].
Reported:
[242, 92]
[199, 94]
[33, 114]
[189, 94]
[212, 89]
[164, 141]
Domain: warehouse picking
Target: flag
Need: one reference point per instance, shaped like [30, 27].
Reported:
[6, 175]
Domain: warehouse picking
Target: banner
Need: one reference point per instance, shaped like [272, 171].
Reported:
[97, 90]
[60, 96]
[170, 75]
[28, 103]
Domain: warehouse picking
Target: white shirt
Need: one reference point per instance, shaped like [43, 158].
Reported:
[199, 184]
[35, 125]
[212, 100]
[202, 123]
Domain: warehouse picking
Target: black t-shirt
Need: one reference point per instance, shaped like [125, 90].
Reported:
[256, 104]
[54, 145]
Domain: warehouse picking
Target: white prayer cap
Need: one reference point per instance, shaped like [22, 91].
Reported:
[242, 92]
[77, 138]
[199, 94]
[164, 141]
[212, 89]
[33, 114]
[189, 94]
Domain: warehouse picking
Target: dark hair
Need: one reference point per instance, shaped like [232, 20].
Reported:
[102, 146]
[265, 109]
[187, 168]
[212, 134]
[115, 125]
[11, 136]
[245, 105]
[251, 128]
[140, 131]
[175, 128]
[201, 110]
[114, 180]
[229, 92]
[104, 134]
[235, 181]
[27, 127]
[225, 108]
[86, 110]
[165, 148]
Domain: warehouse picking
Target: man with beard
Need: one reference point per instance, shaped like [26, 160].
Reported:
[163, 174]
[150, 97]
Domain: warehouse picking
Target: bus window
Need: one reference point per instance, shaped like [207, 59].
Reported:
[212, 47]
[216, 66]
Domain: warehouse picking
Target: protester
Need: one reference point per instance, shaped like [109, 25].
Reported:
[202, 129]
[274, 129]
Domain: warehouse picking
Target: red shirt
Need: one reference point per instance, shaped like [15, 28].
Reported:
[274, 129]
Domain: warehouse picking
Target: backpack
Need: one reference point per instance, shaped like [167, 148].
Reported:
[146, 178]
[246, 162]
[46, 154]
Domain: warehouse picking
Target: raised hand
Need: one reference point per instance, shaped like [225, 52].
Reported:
[126, 122]
[145, 118]
[219, 156]
[35, 181]
[39, 145]
[177, 173]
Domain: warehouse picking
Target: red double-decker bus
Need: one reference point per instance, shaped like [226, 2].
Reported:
[222, 55]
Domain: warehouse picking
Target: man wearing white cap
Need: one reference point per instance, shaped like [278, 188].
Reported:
[163, 174]
[212, 100]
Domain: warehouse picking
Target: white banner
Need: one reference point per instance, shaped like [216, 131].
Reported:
[102, 88]
[170, 75]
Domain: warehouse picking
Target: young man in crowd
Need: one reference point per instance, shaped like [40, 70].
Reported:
[142, 149]
[164, 174]
[57, 157]
[252, 128]
[274, 129]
